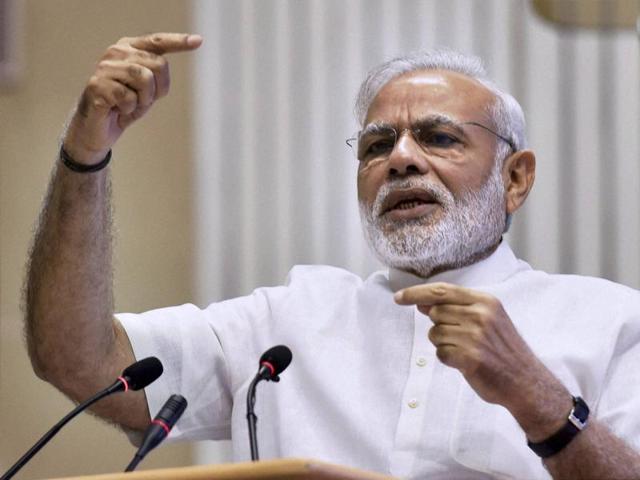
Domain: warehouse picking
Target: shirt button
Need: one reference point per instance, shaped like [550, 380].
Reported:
[413, 403]
[421, 361]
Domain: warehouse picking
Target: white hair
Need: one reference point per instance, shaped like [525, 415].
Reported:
[506, 113]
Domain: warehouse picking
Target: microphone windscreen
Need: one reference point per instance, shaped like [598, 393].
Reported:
[279, 357]
[172, 410]
[143, 372]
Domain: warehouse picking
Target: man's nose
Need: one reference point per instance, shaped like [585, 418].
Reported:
[407, 157]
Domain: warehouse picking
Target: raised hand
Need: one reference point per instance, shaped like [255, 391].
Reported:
[131, 75]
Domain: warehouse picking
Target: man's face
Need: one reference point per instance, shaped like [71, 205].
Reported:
[431, 197]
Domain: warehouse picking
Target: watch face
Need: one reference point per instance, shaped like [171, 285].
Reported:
[579, 424]
[580, 413]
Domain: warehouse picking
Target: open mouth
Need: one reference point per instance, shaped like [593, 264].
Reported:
[410, 202]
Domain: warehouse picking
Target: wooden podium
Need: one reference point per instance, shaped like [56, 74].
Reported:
[285, 469]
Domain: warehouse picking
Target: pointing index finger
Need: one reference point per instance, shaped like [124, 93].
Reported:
[436, 294]
[161, 43]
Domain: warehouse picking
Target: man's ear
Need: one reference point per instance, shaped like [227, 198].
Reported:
[518, 174]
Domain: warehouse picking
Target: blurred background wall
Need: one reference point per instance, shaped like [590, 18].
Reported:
[152, 183]
[242, 171]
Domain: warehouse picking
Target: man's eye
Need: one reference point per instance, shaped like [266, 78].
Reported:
[439, 139]
[378, 147]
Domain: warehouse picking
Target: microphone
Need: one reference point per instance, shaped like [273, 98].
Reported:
[140, 374]
[134, 377]
[159, 428]
[272, 363]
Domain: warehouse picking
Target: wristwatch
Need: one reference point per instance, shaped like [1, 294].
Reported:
[576, 421]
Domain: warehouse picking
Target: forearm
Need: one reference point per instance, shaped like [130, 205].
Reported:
[595, 453]
[68, 294]
[73, 340]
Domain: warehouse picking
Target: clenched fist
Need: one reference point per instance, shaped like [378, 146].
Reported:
[129, 78]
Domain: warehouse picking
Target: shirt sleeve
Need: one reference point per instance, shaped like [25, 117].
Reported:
[210, 355]
[194, 366]
[618, 406]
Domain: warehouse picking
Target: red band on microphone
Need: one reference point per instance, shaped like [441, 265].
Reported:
[162, 424]
[270, 367]
[126, 384]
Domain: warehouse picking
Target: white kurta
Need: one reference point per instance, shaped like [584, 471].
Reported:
[365, 388]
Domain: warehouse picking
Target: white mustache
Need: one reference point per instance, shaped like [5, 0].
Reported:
[441, 195]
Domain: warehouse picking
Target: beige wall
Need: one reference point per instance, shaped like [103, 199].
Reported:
[152, 181]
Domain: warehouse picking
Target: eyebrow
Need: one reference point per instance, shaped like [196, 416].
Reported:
[426, 123]
[375, 128]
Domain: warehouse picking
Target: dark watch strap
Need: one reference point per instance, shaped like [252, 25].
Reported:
[576, 421]
[71, 164]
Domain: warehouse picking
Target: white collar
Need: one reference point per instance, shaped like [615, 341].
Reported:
[502, 263]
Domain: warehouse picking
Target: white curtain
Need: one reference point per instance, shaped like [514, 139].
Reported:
[274, 88]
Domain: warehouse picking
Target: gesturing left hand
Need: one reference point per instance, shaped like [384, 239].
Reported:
[474, 334]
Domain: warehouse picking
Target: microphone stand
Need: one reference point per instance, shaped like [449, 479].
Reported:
[273, 362]
[252, 419]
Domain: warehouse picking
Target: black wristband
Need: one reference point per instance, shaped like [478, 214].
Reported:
[71, 164]
[576, 421]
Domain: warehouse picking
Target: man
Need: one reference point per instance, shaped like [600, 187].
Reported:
[444, 366]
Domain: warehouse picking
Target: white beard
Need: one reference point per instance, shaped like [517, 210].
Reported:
[460, 232]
